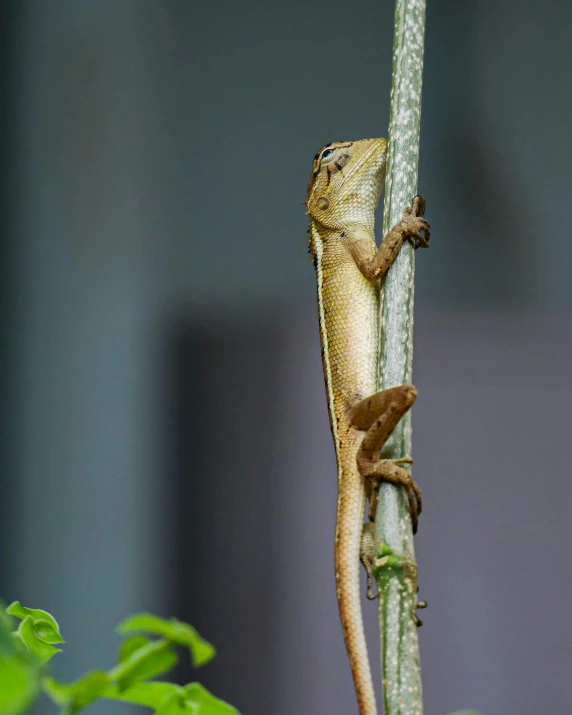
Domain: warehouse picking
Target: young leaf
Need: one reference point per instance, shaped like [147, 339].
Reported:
[172, 629]
[45, 625]
[38, 630]
[39, 648]
[45, 632]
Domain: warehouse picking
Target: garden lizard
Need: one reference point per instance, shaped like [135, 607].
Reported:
[344, 190]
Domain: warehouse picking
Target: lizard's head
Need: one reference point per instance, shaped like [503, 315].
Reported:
[346, 182]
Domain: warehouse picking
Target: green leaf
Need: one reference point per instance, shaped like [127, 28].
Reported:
[141, 659]
[152, 695]
[19, 672]
[36, 646]
[171, 699]
[206, 702]
[77, 695]
[172, 629]
[177, 704]
[46, 633]
[195, 700]
[38, 631]
[45, 625]
[19, 683]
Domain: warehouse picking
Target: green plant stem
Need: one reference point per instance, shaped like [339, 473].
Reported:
[397, 569]
[125, 667]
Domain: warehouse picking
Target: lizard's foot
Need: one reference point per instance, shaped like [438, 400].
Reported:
[416, 228]
[418, 621]
[388, 470]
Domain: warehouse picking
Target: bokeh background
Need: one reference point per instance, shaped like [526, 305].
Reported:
[165, 439]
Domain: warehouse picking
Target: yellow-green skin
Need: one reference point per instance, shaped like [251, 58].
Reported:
[342, 197]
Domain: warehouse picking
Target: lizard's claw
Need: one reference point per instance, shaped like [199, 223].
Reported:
[418, 622]
[416, 228]
[417, 207]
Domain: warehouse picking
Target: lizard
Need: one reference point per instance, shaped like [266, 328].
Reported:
[344, 190]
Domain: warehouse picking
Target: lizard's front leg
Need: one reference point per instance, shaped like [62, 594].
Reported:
[379, 415]
[413, 227]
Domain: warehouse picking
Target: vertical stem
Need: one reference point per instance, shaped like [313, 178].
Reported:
[397, 569]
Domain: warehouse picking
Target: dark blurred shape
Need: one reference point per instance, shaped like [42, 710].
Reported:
[221, 440]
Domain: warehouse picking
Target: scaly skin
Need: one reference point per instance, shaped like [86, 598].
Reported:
[344, 190]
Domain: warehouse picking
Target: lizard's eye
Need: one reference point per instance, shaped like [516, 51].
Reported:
[327, 153]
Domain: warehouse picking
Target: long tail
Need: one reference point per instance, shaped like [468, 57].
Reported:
[351, 505]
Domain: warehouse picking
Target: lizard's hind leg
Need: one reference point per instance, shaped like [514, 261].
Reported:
[379, 415]
[388, 470]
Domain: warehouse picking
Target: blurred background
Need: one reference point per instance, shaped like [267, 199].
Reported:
[165, 439]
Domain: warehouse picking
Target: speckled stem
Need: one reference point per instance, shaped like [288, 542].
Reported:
[397, 569]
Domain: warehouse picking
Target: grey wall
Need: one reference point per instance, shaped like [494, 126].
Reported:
[165, 439]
